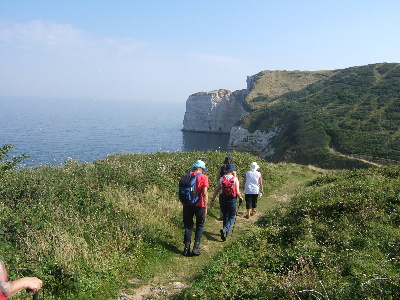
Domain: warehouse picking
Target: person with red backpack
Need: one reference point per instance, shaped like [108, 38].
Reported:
[228, 187]
[221, 172]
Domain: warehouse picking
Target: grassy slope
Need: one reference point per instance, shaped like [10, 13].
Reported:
[182, 271]
[354, 110]
[94, 231]
[338, 238]
[84, 228]
[272, 84]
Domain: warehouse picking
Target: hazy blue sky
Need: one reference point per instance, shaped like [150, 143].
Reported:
[168, 49]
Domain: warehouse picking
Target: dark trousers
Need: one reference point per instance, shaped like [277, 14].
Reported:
[228, 209]
[251, 200]
[190, 211]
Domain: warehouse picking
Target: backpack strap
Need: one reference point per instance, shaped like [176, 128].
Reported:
[195, 186]
[195, 175]
[224, 177]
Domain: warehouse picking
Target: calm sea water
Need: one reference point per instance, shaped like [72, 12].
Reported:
[51, 131]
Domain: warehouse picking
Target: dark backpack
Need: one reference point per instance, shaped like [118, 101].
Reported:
[187, 189]
[228, 187]
[222, 171]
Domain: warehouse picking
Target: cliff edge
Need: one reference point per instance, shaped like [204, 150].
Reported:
[300, 116]
[214, 112]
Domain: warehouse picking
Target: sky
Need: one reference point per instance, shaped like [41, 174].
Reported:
[166, 50]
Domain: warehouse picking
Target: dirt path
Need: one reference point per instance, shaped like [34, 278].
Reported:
[356, 158]
[173, 277]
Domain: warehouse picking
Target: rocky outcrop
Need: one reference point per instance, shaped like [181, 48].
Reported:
[219, 112]
[215, 112]
[257, 143]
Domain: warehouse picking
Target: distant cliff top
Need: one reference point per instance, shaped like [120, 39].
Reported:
[354, 111]
[267, 85]
[219, 93]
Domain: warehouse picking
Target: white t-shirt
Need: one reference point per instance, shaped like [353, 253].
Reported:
[252, 182]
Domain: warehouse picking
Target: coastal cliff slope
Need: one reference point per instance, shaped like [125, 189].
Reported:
[332, 119]
[216, 111]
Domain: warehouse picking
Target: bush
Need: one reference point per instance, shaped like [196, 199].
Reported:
[5, 164]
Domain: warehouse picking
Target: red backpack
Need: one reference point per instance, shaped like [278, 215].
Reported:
[228, 187]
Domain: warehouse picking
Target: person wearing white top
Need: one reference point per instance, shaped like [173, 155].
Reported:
[253, 186]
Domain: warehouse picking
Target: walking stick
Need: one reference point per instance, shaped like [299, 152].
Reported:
[35, 295]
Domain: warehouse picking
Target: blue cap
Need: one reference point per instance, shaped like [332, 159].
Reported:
[199, 164]
[230, 168]
[228, 160]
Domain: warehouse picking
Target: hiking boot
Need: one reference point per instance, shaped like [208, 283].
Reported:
[186, 250]
[196, 249]
[223, 234]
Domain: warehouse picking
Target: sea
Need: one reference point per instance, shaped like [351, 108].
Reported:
[52, 131]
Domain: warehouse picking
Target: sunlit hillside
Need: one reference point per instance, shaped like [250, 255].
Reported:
[353, 111]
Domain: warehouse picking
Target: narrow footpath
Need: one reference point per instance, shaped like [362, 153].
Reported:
[176, 275]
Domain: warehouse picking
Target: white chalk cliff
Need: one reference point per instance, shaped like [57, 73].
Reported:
[257, 143]
[219, 111]
[216, 111]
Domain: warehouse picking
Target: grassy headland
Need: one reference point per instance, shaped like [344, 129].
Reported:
[88, 229]
[355, 111]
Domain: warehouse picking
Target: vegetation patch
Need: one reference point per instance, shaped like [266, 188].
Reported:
[354, 111]
[338, 238]
[86, 228]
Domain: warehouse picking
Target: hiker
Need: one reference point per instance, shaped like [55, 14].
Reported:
[198, 210]
[10, 288]
[253, 186]
[228, 189]
[221, 172]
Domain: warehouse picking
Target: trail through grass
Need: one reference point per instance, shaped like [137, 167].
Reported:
[173, 275]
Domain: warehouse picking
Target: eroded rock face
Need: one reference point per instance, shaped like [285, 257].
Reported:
[257, 143]
[216, 111]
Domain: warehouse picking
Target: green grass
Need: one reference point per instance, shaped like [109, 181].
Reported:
[84, 228]
[88, 229]
[337, 239]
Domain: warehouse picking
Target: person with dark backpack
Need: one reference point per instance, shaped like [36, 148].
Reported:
[193, 194]
[228, 188]
[221, 170]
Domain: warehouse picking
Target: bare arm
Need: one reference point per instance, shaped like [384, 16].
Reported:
[261, 185]
[218, 174]
[31, 283]
[215, 193]
[238, 189]
[205, 194]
